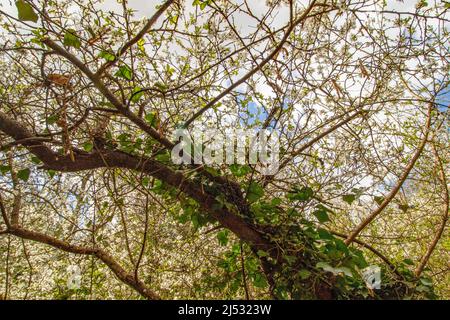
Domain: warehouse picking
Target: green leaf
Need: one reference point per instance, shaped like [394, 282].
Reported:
[36, 160]
[259, 280]
[124, 72]
[222, 236]
[24, 174]
[408, 262]
[136, 94]
[240, 170]
[325, 266]
[324, 234]
[426, 282]
[290, 259]
[336, 271]
[255, 192]
[163, 157]
[26, 11]
[173, 19]
[145, 181]
[161, 86]
[341, 246]
[378, 199]
[303, 194]
[276, 201]
[349, 198]
[71, 39]
[88, 146]
[51, 173]
[107, 56]
[52, 119]
[151, 119]
[423, 288]
[262, 253]
[321, 214]
[141, 45]
[5, 169]
[304, 274]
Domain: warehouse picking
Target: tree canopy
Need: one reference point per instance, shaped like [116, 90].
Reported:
[94, 207]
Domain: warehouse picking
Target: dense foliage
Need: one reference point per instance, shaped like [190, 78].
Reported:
[93, 207]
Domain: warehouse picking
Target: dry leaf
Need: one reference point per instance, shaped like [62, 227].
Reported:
[58, 79]
[337, 87]
[363, 69]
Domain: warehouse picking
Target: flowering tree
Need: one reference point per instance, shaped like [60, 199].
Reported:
[94, 207]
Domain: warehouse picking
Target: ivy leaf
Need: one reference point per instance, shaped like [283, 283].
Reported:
[145, 181]
[88, 146]
[336, 271]
[262, 253]
[107, 56]
[136, 94]
[259, 280]
[222, 236]
[304, 194]
[378, 200]
[325, 266]
[36, 160]
[324, 234]
[349, 198]
[240, 170]
[124, 72]
[408, 262]
[304, 274]
[26, 11]
[163, 157]
[426, 282]
[321, 213]
[151, 119]
[341, 246]
[71, 39]
[52, 119]
[5, 169]
[290, 259]
[255, 192]
[51, 173]
[24, 174]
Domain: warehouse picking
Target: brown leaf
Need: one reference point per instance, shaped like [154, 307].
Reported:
[336, 87]
[58, 79]
[363, 69]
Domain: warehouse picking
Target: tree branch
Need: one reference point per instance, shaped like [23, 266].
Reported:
[440, 231]
[399, 184]
[123, 275]
[254, 70]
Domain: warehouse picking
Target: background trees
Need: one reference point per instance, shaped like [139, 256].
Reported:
[92, 91]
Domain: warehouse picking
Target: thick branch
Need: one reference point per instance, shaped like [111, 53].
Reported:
[117, 159]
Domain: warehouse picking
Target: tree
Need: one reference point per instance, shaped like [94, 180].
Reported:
[91, 94]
